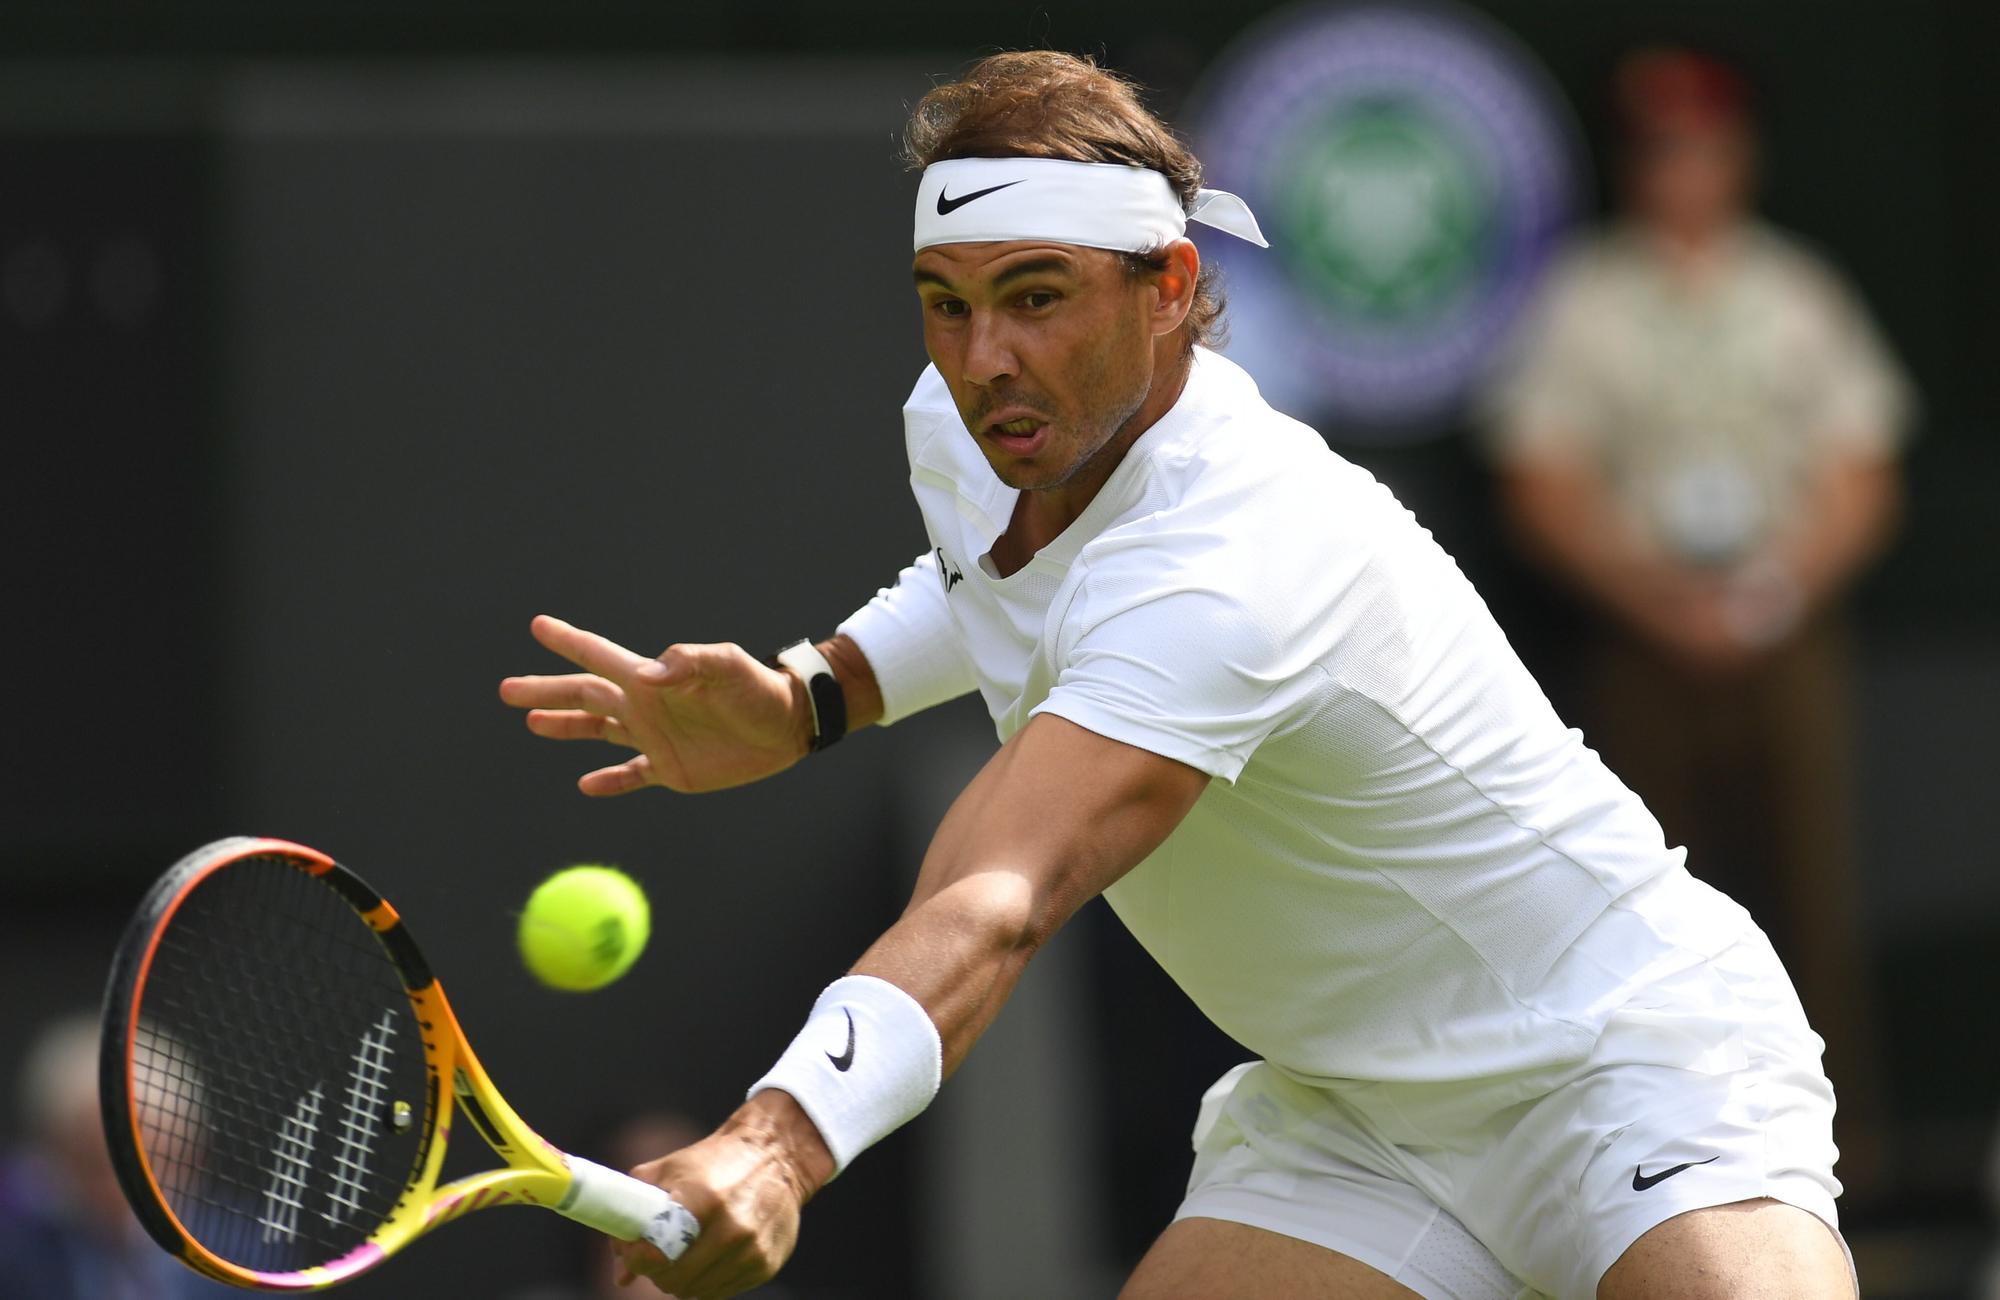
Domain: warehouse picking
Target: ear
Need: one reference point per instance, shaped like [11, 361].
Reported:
[1175, 286]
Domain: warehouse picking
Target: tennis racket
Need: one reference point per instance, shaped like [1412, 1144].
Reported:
[280, 1073]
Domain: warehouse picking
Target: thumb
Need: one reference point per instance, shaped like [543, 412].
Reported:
[679, 665]
[676, 664]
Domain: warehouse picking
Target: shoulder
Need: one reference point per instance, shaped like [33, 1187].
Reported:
[1235, 441]
[1239, 474]
[1243, 534]
[1586, 284]
[1596, 258]
[1783, 251]
[1796, 265]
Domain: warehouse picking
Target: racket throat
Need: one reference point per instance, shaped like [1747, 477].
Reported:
[476, 1114]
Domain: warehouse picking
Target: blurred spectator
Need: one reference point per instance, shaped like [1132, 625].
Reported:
[66, 1232]
[1700, 439]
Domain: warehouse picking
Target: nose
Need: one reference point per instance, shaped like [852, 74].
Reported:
[989, 358]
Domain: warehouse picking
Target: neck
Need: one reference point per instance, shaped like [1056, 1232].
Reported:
[1171, 366]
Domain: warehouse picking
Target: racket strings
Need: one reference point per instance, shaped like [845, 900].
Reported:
[274, 1039]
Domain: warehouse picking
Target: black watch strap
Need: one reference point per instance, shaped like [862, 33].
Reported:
[829, 705]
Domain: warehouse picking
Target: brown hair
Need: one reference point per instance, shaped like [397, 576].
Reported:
[1046, 104]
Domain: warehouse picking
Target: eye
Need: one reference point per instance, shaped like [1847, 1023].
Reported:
[950, 308]
[1037, 299]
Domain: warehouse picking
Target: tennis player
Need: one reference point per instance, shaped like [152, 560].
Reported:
[1509, 1045]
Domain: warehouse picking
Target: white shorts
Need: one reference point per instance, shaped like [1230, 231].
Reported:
[1705, 1089]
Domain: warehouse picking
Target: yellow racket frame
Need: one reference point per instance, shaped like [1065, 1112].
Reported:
[535, 1173]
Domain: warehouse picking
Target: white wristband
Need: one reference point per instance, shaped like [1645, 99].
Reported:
[868, 1061]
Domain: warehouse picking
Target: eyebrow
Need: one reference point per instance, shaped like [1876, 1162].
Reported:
[1018, 271]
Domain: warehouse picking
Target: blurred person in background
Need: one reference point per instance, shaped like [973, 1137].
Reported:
[1700, 438]
[66, 1232]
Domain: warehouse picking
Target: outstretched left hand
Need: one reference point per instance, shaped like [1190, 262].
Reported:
[703, 717]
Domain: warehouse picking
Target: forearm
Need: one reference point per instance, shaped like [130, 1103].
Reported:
[1566, 522]
[1053, 819]
[958, 953]
[857, 680]
[1849, 519]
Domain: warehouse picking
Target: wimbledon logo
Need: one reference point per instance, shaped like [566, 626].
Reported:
[1413, 173]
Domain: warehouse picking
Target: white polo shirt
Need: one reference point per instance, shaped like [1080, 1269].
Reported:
[1406, 866]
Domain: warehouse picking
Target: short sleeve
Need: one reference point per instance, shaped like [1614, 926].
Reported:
[1189, 674]
[1864, 399]
[907, 635]
[1545, 397]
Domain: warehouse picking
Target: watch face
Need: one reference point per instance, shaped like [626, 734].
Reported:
[805, 660]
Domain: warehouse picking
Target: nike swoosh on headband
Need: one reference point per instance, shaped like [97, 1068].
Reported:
[947, 206]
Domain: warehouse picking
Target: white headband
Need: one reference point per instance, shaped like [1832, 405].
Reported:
[1097, 205]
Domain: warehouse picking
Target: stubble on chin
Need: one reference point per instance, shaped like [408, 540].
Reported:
[1111, 408]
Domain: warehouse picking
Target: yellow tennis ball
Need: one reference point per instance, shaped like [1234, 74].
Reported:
[584, 927]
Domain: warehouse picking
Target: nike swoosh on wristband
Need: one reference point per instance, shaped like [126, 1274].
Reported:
[1640, 1181]
[846, 1058]
[947, 206]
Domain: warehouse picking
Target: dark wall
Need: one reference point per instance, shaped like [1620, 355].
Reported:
[106, 500]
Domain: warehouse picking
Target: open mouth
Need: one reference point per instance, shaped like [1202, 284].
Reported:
[1020, 436]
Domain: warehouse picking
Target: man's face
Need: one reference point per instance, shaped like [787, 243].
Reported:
[1046, 348]
[1692, 180]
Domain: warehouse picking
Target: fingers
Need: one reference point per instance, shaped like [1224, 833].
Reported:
[570, 691]
[716, 1274]
[574, 724]
[635, 774]
[588, 650]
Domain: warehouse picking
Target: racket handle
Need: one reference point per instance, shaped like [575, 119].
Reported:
[621, 1206]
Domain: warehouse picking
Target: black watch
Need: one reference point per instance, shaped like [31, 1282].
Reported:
[829, 706]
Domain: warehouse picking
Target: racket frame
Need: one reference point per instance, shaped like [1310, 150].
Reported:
[456, 1085]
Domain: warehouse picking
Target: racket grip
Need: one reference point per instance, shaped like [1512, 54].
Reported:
[621, 1206]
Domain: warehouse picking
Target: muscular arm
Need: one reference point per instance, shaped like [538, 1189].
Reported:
[1058, 815]
[1849, 518]
[1566, 520]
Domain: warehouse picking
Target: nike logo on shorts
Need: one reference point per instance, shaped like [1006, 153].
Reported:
[1641, 1181]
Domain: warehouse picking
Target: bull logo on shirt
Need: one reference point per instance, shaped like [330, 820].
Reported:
[948, 573]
